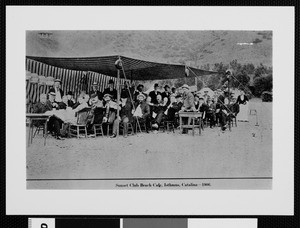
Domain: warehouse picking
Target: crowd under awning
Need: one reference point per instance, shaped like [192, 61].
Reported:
[135, 69]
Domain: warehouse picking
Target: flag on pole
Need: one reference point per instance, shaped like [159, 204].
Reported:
[186, 71]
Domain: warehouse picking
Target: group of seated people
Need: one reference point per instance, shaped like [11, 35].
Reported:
[135, 107]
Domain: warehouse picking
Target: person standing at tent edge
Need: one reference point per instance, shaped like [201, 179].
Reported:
[243, 100]
[166, 93]
[153, 94]
[139, 90]
[95, 90]
[57, 90]
[111, 90]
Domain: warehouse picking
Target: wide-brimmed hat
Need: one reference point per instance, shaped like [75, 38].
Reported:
[155, 85]
[141, 95]
[94, 95]
[95, 84]
[57, 80]
[185, 86]
[52, 93]
[107, 95]
[166, 86]
[70, 93]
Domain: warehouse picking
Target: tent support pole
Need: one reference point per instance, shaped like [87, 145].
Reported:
[118, 100]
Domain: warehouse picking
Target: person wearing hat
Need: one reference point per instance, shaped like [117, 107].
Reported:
[111, 90]
[139, 90]
[43, 105]
[127, 90]
[125, 115]
[95, 90]
[110, 109]
[57, 90]
[188, 99]
[142, 110]
[222, 110]
[242, 100]
[210, 114]
[172, 109]
[153, 94]
[71, 101]
[54, 124]
[51, 98]
[166, 93]
[159, 110]
[188, 104]
[96, 113]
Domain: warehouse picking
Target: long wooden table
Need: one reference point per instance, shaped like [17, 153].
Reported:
[192, 116]
[34, 117]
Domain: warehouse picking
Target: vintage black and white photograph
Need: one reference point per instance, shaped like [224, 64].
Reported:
[148, 109]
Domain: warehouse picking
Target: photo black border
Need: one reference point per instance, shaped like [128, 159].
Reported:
[263, 221]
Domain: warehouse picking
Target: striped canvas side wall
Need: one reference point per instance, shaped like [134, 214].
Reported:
[72, 80]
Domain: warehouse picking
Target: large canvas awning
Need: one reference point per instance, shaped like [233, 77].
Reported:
[135, 69]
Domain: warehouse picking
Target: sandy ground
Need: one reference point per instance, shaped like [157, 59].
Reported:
[246, 151]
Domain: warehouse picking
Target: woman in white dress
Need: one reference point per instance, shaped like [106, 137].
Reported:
[242, 100]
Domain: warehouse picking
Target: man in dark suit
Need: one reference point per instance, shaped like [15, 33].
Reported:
[125, 115]
[95, 90]
[111, 90]
[188, 99]
[221, 111]
[153, 94]
[43, 105]
[166, 93]
[159, 110]
[57, 90]
[140, 90]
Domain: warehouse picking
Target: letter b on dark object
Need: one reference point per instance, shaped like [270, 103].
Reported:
[44, 225]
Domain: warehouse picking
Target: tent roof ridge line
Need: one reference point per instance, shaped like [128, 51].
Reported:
[117, 57]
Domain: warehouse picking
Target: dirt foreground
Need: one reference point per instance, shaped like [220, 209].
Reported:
[245, 152]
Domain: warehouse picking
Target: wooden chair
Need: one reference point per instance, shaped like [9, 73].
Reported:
[39, 128]
[169, 125]
[141, 125]
[130, 128]
[80, 126]
[98, 130]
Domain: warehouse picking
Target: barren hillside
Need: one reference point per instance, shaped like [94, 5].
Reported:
[195, 48]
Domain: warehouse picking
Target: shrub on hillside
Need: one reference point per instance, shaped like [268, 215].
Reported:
[261, 84]
[267, 96]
